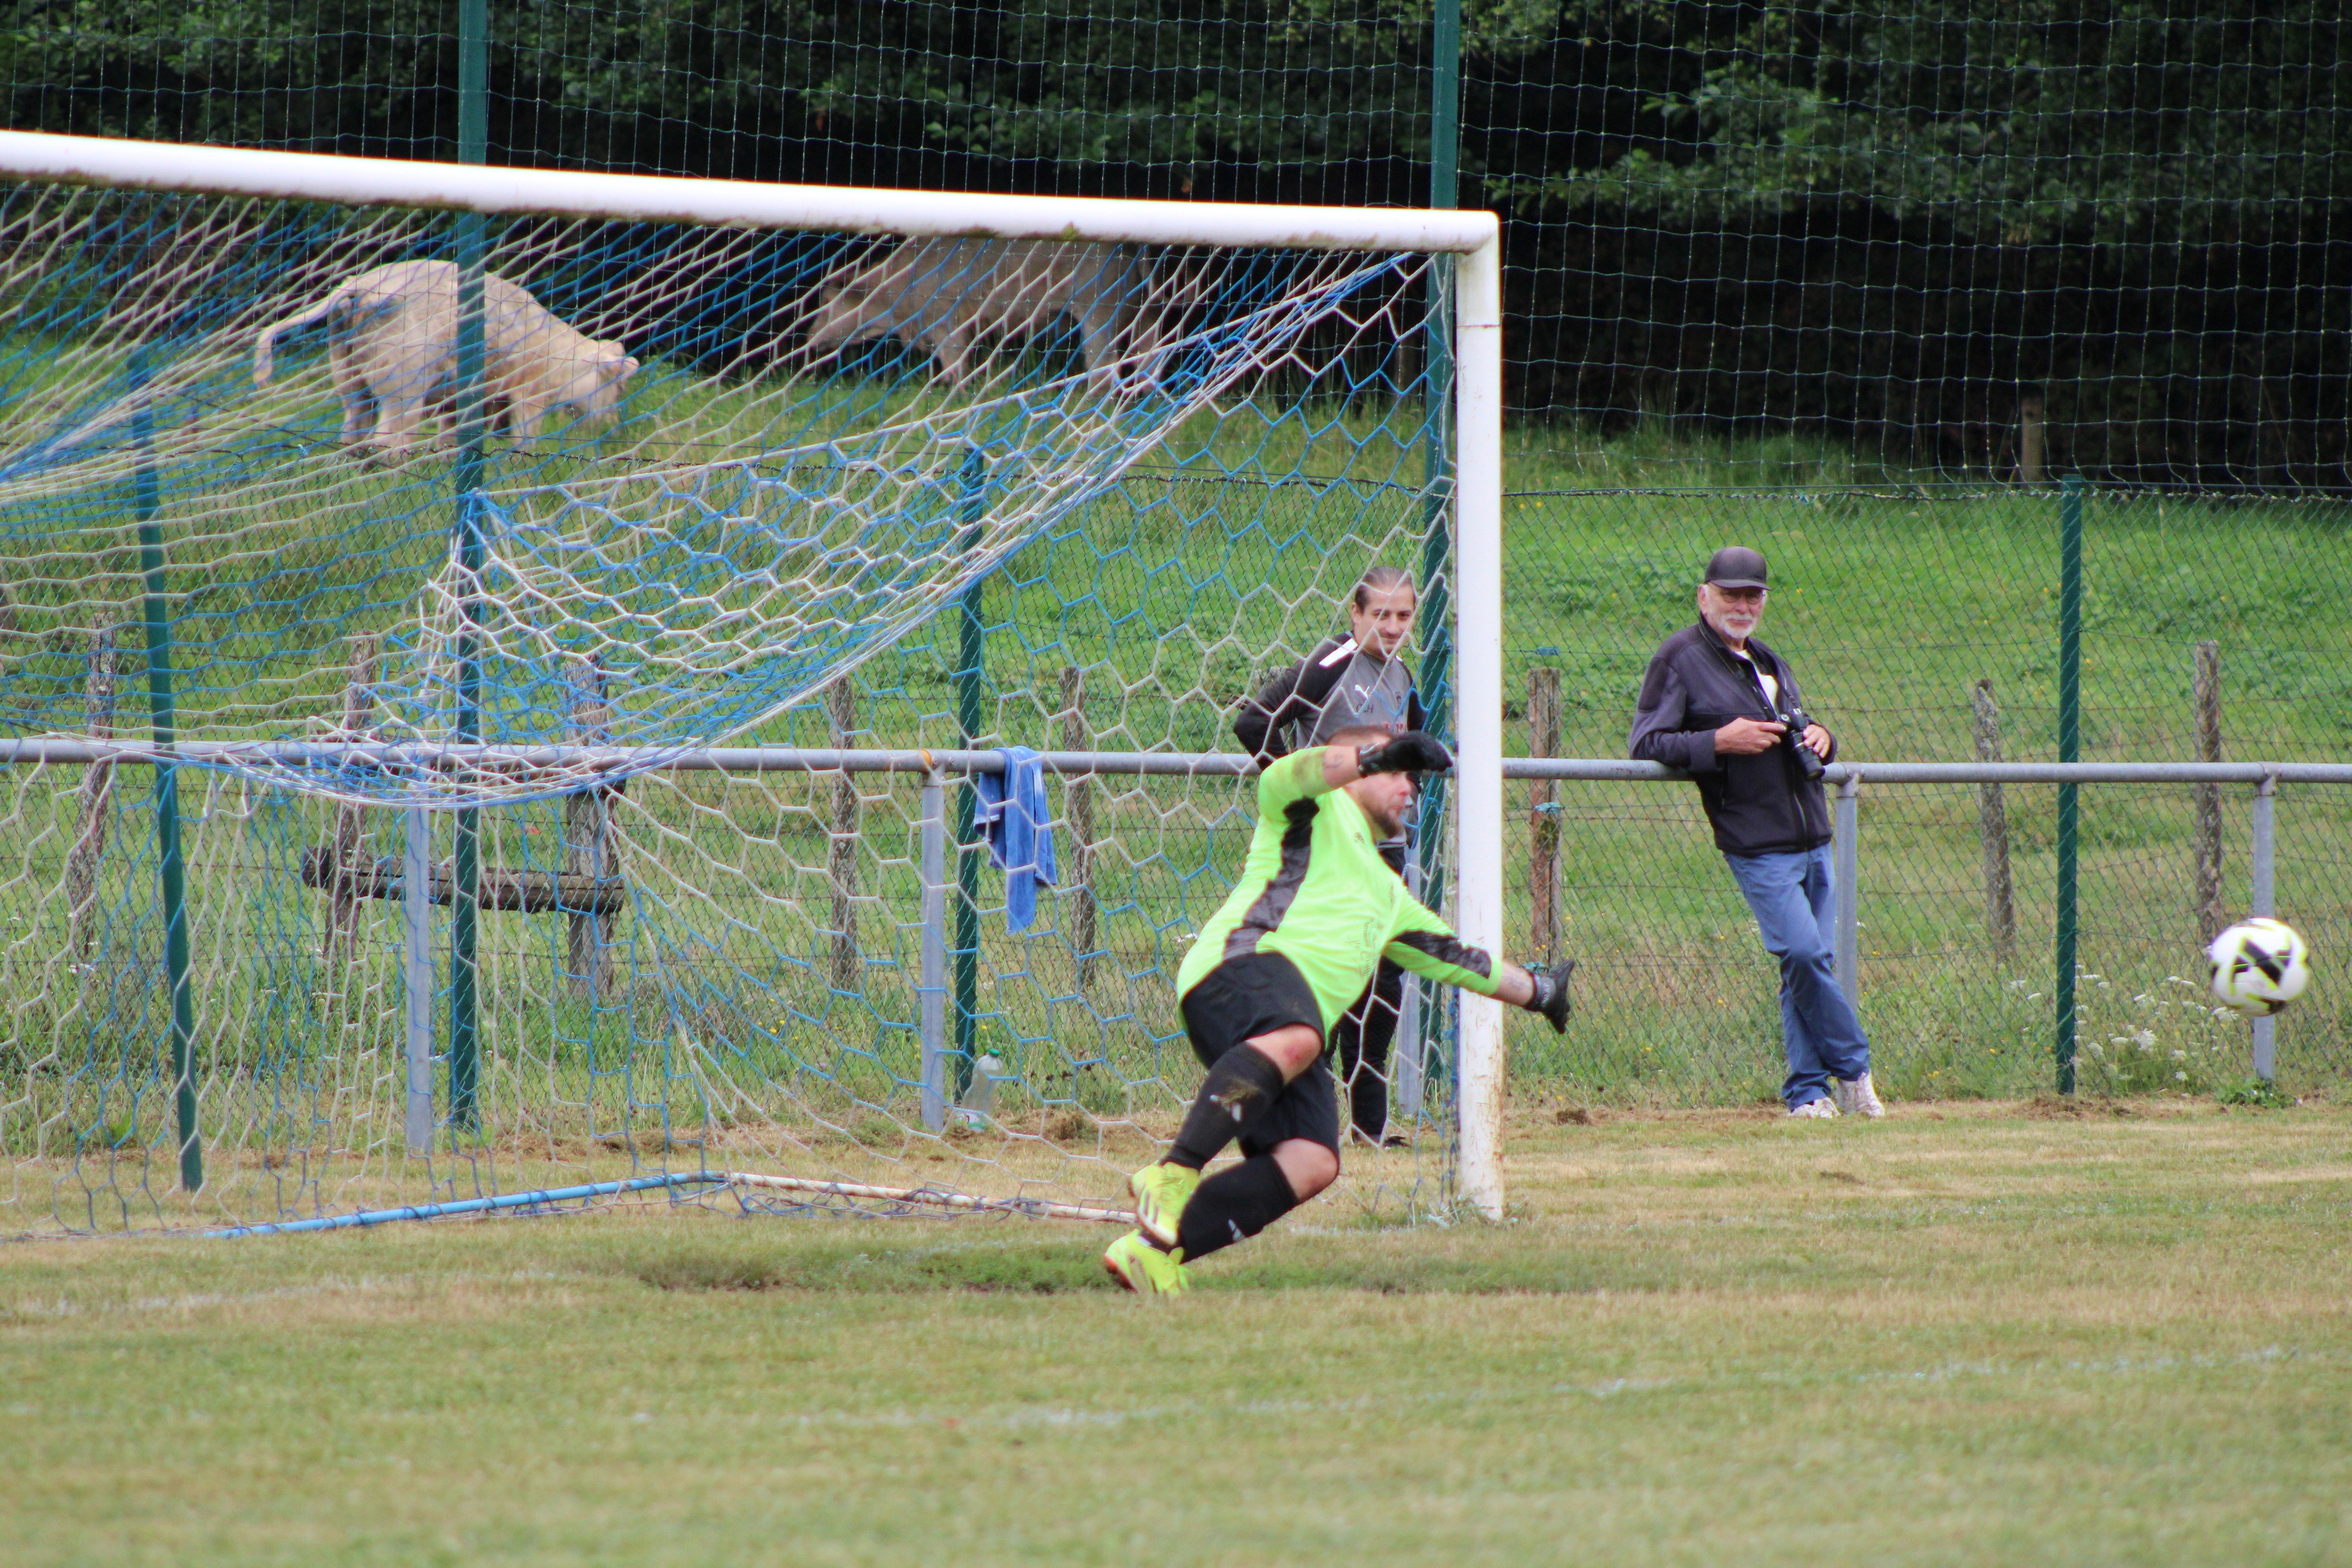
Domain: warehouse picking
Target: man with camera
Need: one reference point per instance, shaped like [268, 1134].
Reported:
[1722, 707]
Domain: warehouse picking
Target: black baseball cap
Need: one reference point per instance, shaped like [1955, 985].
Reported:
[1735, 567]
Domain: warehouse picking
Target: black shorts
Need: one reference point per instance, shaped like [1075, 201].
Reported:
[1255, 994]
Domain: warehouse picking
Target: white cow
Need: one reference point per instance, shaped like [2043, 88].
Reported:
[392, 342]
[950, 296]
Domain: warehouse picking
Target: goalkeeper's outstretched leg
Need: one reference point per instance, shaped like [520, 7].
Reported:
[1293, 946]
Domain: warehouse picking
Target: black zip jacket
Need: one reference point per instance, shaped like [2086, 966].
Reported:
[1762, 805]
[1298, 694]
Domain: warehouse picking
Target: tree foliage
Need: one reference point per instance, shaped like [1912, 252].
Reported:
[1902, 220]
[2014, 118]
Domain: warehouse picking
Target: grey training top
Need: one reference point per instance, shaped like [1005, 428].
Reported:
[1367, 692]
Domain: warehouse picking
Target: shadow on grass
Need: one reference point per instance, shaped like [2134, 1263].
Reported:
[1042, 1266]
[869, 1265]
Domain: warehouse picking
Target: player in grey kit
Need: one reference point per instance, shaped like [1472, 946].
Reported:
[1351, 682]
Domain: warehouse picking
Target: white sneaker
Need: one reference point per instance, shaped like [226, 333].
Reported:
[1856, 1097]
[1815, 1110]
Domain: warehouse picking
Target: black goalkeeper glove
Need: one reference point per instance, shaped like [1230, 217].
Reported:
[1551, 996]
[1411, 752]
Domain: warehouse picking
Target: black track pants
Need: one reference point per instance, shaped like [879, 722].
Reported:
[1365, 1034]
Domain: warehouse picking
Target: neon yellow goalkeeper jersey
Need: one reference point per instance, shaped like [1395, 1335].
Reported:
[1316, 890]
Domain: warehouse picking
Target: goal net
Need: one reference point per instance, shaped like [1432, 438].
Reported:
[521, 683]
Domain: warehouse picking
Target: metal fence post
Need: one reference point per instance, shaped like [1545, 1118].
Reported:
[162, 718]
[1848, 867]
[2265, 902]
[163, 723]
[417, 973]
[970, 653]
[2070, 749]
[1445, 104]
[1427, 1017]
[930, 1074]
[473, 420]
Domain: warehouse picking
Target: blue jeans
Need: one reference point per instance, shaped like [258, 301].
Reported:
[1792, 899]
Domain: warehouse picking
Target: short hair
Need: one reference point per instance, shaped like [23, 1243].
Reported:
[1357, 735]
[1381, 580]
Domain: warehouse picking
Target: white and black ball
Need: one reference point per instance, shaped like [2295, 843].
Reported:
[2259, 966]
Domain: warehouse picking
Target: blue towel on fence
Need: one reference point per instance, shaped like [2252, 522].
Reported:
[1017, 823]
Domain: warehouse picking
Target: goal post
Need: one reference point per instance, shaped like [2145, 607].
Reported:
[1478, 634]
[1065, 390]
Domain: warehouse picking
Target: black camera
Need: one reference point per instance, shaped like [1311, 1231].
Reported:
[1799, 722]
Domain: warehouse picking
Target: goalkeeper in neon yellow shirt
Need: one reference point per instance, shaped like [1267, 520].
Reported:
[1289, 952]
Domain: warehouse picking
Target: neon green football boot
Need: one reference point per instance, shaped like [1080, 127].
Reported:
[1161, 1192]
[1143, 1268]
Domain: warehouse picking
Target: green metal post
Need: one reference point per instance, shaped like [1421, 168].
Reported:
[1437, 395]
[2070, 750]
[1436, 615]
[1445, 104]
[162, 718]
[473, 147]
[969, 655]
[473, 81]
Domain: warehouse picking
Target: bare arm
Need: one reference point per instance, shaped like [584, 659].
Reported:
[1514, 985]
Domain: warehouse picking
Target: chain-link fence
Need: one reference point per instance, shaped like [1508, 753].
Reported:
[1957, 905]
[1924, 626]
[1853, 287]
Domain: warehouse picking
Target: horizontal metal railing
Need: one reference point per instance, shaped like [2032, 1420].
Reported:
[414, 885]
[295, 755]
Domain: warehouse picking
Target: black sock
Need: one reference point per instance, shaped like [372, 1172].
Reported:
[1368, 1103]
[1241, 1086]
[1233, 1205]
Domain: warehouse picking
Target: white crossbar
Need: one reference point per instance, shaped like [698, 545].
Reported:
[740, 204]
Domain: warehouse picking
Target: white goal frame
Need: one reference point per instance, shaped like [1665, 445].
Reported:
[1472, 237]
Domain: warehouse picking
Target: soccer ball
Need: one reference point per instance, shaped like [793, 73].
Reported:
[2259, 966]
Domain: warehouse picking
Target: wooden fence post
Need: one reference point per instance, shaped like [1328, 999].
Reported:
[1078, 797]
[841, 844]
[589, 849]
[1992, 827]
[1543, 816]
[342, 933]
[97, 799]
[2031, 460]
[2207, 689]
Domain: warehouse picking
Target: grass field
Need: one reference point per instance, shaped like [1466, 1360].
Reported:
[1982, 1334]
